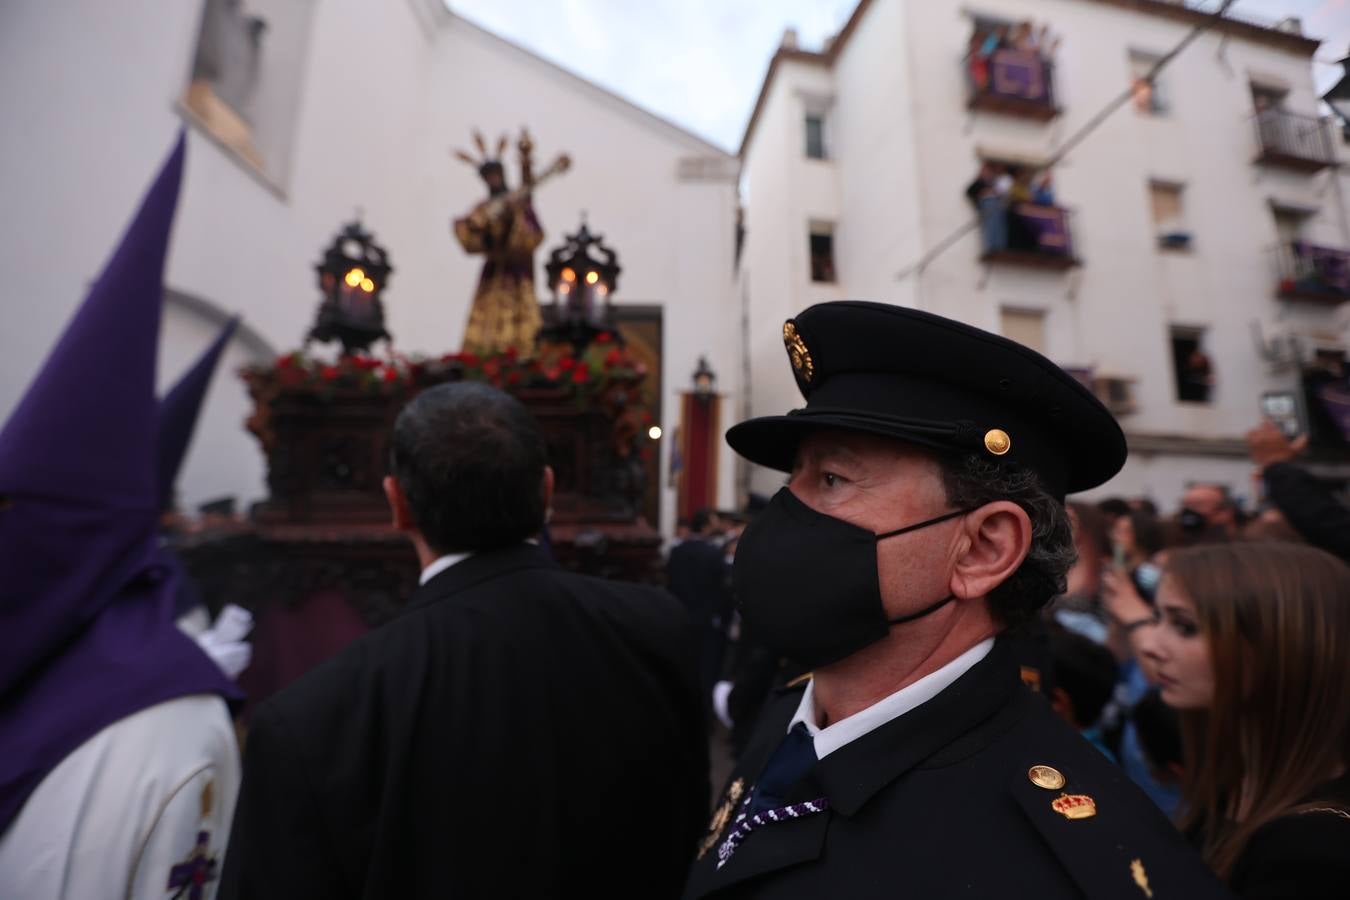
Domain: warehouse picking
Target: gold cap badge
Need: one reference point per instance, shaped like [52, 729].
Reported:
[797, 352]
[1046, 777]
[997, 442]
[1075, 806]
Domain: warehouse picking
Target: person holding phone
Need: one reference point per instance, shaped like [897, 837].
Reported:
[1306, 502]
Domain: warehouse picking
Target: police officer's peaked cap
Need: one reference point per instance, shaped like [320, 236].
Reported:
[926, 380]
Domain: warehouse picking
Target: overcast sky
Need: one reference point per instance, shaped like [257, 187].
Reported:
[699, 63]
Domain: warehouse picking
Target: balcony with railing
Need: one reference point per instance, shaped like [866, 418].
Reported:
[1028, 234]
[1293, 141]
[1312, 273]
[1012, 82]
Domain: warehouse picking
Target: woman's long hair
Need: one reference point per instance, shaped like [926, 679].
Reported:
[1277, 621]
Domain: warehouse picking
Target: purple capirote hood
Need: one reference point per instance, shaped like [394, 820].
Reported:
[178, 413]
[87, 635]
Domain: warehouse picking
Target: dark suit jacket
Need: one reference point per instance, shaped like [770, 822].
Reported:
[520, 731]
[1304, 855]
[1310, 507]
[938, 803]
[698, 575]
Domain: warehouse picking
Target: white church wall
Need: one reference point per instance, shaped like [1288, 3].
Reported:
[385, 93]
[774, 262]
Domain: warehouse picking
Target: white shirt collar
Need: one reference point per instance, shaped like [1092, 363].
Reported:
[845, 731]
[441, 565]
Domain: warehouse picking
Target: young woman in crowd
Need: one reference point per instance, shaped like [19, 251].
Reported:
[1252, 647]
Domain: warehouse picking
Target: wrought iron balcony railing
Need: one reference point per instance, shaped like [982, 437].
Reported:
[1293, 141]
[1309, 272]
[1013, 82]
[1028, 235]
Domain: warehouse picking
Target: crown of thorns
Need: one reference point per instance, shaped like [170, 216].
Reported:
[484, 161]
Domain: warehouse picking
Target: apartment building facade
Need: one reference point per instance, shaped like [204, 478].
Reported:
[1188, 259]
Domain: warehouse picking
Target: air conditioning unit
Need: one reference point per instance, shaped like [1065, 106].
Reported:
[1290, 25]
[1116, 393]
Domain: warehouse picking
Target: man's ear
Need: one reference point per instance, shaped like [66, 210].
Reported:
[998, 538]
[547, 486]
[398, 504]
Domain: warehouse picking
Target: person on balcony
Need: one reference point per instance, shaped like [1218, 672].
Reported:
[1022, 233]
[977, 63]
[1042, 190]
[988, 193]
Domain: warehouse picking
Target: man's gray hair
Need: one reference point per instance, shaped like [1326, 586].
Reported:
[973, 481]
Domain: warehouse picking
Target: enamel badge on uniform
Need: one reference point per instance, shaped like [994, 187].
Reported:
[1031, 677]
[1075, 806]
[1140, 877]
[1047, 777]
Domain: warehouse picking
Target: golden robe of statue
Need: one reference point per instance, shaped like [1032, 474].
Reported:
[505, 309]
[505, 230]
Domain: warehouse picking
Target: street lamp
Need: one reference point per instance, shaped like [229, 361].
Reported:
[705, 380]
[352, 276]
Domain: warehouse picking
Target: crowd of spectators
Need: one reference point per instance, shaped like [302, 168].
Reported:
[1207, 651]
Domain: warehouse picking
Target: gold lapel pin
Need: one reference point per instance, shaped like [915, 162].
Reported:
[1047, 777]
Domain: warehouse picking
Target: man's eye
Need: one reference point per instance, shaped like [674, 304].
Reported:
[831, 479]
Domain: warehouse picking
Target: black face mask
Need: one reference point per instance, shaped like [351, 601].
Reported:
[1191, 521]
[807, 583]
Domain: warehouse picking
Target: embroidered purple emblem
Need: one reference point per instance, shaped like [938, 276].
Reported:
[191, 876]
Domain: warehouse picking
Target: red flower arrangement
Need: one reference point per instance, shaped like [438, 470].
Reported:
[604, 377]
[602, 373]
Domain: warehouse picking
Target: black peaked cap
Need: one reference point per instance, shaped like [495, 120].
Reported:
[939, 383]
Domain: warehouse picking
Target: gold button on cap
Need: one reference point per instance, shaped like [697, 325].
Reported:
[1046, 777]
[997, 442]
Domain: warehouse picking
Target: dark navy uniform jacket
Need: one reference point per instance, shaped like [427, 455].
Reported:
[940, 803]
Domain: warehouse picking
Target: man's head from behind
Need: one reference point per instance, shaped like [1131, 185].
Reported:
[706, 522]
[468, 471]
[1084, 676]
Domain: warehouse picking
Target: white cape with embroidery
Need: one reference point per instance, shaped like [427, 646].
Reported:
[123, 816]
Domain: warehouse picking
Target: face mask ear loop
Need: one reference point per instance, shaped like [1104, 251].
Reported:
[945, 600]
[923, 612]
[908, 528]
